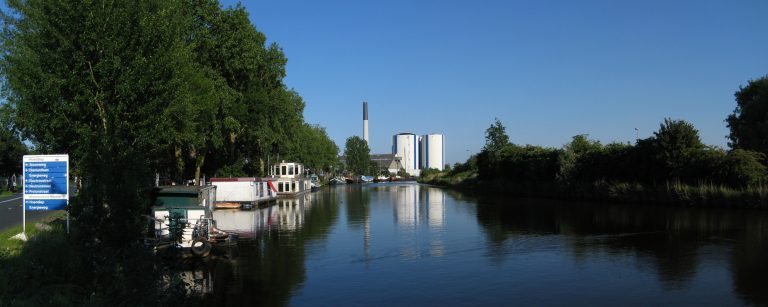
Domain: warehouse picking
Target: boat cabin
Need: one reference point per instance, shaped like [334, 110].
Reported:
[243, 192]
[290, 179]
[181, 208]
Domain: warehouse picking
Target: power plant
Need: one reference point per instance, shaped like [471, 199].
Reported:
[365, 122]
[411, 151]
[432, 151]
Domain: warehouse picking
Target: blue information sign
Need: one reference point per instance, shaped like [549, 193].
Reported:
[46, 182]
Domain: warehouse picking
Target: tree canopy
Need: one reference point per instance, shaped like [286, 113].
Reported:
[749, 121]
[133, 88]
[496, 137]
[357, 156]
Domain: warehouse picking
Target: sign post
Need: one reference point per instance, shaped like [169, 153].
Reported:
[46, 184]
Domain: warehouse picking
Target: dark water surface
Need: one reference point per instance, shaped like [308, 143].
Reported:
[406, 244]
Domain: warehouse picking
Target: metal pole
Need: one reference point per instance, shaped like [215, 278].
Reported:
[23, 214]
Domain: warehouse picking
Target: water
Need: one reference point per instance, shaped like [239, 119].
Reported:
[406, 244]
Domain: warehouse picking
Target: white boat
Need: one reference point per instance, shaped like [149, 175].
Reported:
[366, 179]
[243, 192]
[290, 179]
[337, 181]
[315, 182]
[181, 217]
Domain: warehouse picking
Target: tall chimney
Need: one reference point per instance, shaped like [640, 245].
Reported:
[365, 121]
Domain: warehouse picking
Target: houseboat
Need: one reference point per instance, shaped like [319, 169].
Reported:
[182, 217]
[290, 179]
[243, 193]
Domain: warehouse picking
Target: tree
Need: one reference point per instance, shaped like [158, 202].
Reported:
[115, 86]
[11, 152]
[742, 168]
[357, 155]
[749, 121]
[315, 149]
[674, 144]
[496, 137]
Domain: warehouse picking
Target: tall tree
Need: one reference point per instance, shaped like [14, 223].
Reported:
[675, 142]
[116, 87]
[749, 121]
[496, 137]
[11, 152]
[357, 156]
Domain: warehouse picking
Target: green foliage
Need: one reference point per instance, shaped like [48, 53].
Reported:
[357, 156]
[748, 121]
[402, 173]
[315, 149]
[430, 172]
[113, 86]
[11, 152]
[51, 269]
[742, 168]
[496, 137]
[674, 154]
[675, 142]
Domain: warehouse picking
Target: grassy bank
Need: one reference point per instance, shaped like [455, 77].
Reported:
[670, 193]
[54, 269]
[6, 193]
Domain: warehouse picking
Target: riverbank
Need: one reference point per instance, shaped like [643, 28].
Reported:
[668, 193]
[53, 268]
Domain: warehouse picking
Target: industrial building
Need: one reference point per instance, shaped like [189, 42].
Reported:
[432, 151]
[419, 152]
[406, 146]
[410, 151]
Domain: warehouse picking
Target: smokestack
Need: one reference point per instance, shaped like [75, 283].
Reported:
[365, 122]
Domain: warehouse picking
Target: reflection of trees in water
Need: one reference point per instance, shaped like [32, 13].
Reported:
[358, 200]
[750, 262]
[271, 267]
[668, 239]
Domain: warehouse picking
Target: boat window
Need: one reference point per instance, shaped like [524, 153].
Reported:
[280, 187]
[293, 186]
[290, 170]
[284, 172]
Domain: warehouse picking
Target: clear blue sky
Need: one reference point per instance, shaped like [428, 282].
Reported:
[548, 69]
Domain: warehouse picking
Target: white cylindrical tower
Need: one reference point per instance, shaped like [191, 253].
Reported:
[406, 145]
[365, 122]
[432, 151]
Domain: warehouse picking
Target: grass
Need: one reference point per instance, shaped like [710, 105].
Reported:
[671, 193]
[12, 247]
[5, 193]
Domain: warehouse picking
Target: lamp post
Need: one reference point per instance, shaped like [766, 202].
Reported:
[637, 135]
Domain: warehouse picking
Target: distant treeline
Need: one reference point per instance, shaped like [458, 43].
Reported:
[673, 165]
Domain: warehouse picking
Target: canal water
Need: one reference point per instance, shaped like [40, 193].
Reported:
[409, 244]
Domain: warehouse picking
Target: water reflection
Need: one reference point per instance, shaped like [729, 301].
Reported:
[396, 238]
[271, 262]
[674, 242]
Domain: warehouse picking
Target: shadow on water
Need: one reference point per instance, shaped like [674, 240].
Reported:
[472, 247]
[271, 265]
[671, 240]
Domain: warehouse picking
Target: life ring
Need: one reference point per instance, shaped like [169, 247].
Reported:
[200, 247]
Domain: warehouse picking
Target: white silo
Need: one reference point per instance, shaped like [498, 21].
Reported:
[432, 151]
[406, 145]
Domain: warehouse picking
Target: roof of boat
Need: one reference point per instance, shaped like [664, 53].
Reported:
[240, 179]
[181, 189]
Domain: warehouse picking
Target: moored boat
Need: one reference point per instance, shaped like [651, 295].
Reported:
[181, 217]
[243, 192]
[290, 180]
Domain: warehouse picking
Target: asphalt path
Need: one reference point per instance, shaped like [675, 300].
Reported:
[11, 212]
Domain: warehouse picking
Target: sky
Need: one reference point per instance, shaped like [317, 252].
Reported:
[548, 70]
